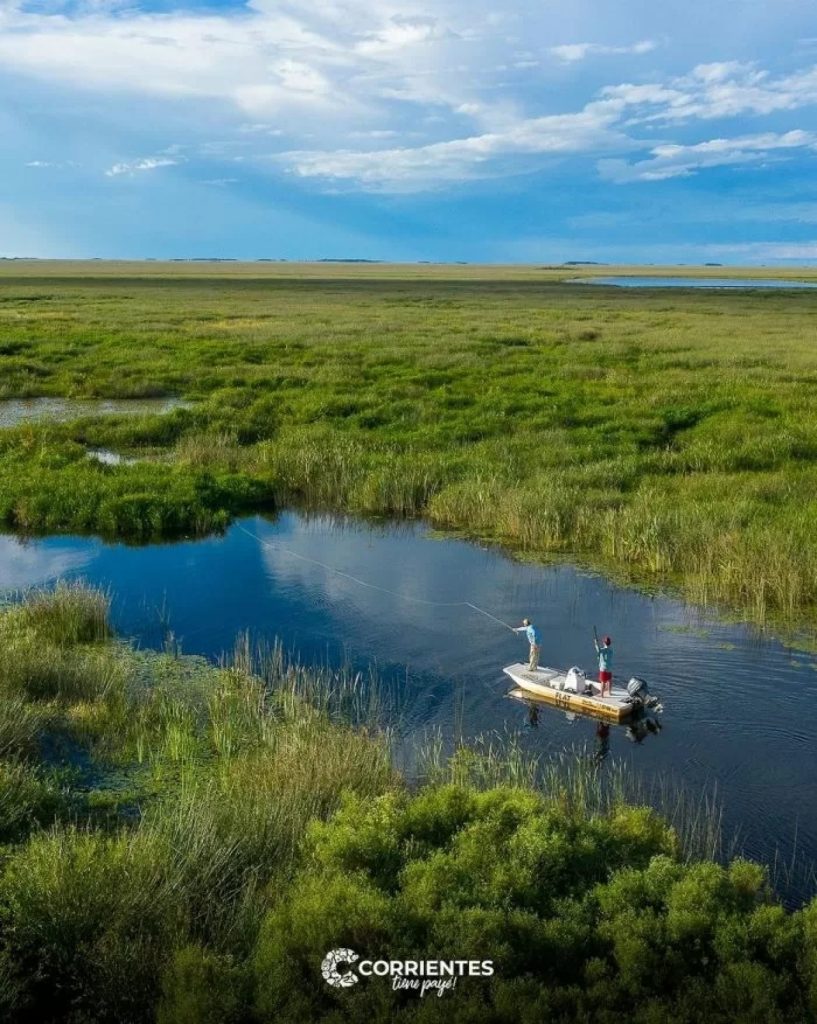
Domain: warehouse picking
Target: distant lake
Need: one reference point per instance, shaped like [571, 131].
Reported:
[693, 282]
[738, 706]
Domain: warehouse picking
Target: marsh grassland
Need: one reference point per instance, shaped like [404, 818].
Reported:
[183, 842]
[667, 436]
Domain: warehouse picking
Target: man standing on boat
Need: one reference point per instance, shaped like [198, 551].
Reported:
[532, 634]
[605, 653]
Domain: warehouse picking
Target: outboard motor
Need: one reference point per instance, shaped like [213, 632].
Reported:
[637, 688]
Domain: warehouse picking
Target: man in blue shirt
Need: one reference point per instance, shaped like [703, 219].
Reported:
[605, 653]
[532, 634]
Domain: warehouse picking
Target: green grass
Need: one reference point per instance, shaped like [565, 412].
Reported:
[183, 842]
[668, 437]
[148, 801]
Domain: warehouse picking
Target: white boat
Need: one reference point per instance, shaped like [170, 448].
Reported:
[553, 686]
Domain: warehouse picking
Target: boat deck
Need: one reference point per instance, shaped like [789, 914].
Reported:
[546, 684]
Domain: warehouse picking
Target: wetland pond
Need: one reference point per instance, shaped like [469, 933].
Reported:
[738, 707]
[15, 411]
[693, 282]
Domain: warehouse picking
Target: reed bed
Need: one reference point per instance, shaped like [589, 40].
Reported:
[573, 778]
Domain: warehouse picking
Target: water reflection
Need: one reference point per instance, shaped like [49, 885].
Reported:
[26, 564]
[642, 726]
[602, 745]
[14, 411]
[445, 660]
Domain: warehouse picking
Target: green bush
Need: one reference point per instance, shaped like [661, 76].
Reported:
[87, 923]
[200, 987]
[586, 918]
[140, 501]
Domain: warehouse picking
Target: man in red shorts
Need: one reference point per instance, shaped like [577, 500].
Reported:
[605, 653]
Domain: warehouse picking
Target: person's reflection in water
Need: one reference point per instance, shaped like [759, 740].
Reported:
[602, 742]
[533, 715]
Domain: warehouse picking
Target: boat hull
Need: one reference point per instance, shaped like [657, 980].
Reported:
[546, 684]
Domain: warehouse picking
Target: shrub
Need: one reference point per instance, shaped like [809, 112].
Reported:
[200, 987]
[87, 923]
[588, 918]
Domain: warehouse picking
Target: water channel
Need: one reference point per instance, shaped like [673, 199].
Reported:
[737, 705]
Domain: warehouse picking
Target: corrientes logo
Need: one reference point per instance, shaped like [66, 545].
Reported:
[440, 976]
[339, 958]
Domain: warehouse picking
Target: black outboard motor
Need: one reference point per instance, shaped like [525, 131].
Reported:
[637, 688]
[640, 696]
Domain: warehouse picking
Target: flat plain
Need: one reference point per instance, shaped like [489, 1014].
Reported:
[183, 842]
[668, 436]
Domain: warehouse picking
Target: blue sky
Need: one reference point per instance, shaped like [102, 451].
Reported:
[410, 129]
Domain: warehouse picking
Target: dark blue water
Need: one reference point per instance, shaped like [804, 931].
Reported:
[738, 709]
[694, 282]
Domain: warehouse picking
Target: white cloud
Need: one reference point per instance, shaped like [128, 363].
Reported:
[399, 34]
[599, 126]
[51, 164]
[335, 62]
[768, 251]
[674, 161]
[259, 129]
[719, 90]
[409, 169]
[375, 133]
[29, 564]
[148, 163]
[343, 77]
[571, 53]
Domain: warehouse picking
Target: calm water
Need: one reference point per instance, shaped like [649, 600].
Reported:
[694, 282]
[14, 411]
[737, 710]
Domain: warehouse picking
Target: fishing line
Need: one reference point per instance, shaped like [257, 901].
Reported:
[372, 586]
